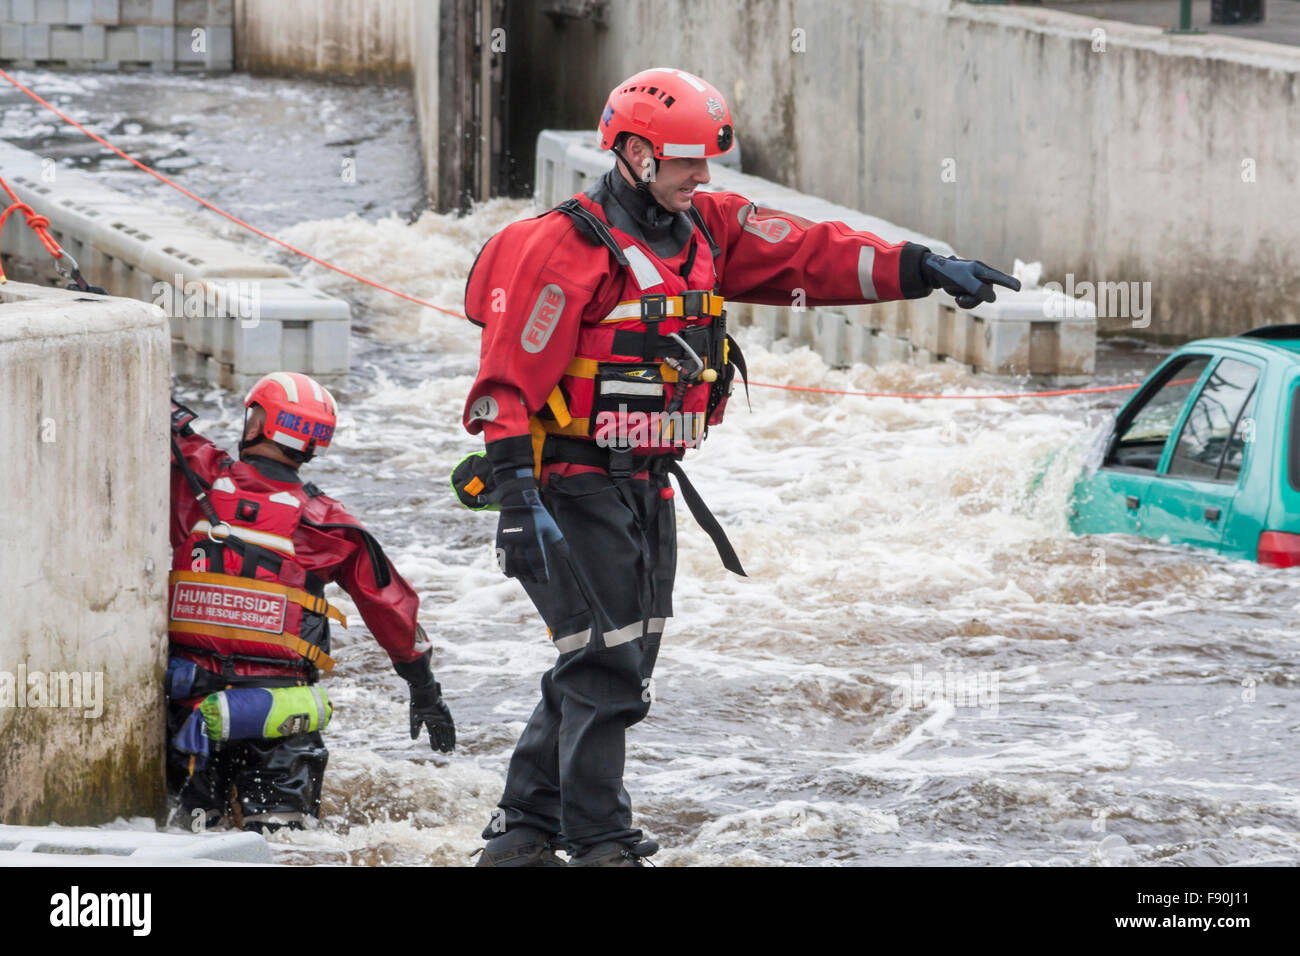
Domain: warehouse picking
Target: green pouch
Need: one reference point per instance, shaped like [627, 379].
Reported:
[263, 713]
[473, 482]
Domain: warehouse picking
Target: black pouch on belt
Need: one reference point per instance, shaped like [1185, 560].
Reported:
[621, 388]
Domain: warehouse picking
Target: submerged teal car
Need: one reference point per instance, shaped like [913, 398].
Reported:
[1206, 452]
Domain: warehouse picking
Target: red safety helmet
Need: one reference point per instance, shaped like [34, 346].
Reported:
[300, 411]
[680, 114]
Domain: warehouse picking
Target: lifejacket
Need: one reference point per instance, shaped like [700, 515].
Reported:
[235, 590]
[656, 371]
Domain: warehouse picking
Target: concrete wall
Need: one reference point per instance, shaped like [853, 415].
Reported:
[352, 38]
[1116, 161]
[117, 34]
[84, 553]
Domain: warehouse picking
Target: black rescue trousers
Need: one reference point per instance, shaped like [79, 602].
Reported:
[606, 618]
[262, 784]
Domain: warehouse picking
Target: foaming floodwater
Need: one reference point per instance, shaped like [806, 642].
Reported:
[923, 665]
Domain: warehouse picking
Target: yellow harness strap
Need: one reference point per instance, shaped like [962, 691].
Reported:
[317, 605]
[310, 651]
[631, 308]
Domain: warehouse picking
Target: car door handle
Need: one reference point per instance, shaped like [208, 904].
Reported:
[1132, 501]
[1211, 514]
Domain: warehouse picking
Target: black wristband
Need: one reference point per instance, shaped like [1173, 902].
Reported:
[912, 281]
[508, 455]
[418, 672]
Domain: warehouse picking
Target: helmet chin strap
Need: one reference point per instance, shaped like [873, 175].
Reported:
[641, 184]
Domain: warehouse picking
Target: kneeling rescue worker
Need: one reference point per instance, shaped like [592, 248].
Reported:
[254, 547]
[605, 355]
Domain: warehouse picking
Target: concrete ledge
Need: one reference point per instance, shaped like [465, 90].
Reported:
[43, 846]
[83, 421]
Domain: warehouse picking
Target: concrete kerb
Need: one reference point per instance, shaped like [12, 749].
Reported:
[39, 846]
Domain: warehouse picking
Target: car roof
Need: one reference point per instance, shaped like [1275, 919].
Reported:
[1276, 342]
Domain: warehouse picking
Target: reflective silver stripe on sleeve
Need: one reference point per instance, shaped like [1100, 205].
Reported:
[656, 625]
[571, 642]
[866, 261]
[320, 708]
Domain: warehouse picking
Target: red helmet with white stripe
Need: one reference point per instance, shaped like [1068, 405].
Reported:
[682, 115]
[300, 411]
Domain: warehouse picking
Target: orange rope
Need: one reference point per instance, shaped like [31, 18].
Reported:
[218, 210]
[410, 298]
[1008, 395]
[39, 224]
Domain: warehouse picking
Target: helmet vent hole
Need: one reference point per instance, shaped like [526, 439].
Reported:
[669, 102]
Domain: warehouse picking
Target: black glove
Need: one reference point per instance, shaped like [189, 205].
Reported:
[181, 418]
[525, 528]
[969, 281]
[427, 706]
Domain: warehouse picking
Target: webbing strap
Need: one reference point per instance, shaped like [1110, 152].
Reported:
[317, 605]
[704, 518]
[708, 237]
[311, 652]
[575, 210]
[583, 452]
[674, 305]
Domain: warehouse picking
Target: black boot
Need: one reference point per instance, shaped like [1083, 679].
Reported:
[521, 846]
[616, 854]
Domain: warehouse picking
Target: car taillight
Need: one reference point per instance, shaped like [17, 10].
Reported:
[1278, 549]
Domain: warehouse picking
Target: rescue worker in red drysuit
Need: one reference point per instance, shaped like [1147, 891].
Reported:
[281, 536]
[600, 315]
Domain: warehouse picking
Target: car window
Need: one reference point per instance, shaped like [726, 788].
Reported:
[1242, 435]
[1142, 442]
[1213, 439]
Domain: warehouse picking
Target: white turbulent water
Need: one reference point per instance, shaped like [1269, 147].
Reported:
[923, 665]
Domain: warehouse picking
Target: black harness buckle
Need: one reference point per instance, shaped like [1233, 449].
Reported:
[696, 303]
[654, 308]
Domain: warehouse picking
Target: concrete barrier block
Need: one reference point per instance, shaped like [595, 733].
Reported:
[81, 11]
[257, 349]
[121, 44]
[191, 11]
[221, 48]
[51, 11]
[183, 48]
[11, 41]
[5, 10]
[221, 13]
[135, 12]
[92, 42]
[65, 43]
[154, 43]
[164, 11]
[36, 41]
[108, 12]
[829, 337]
[95, 371]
